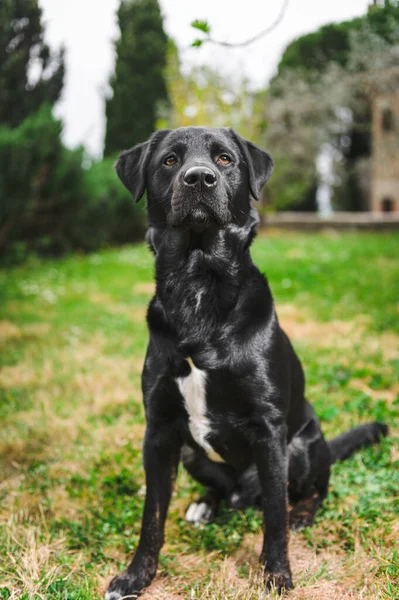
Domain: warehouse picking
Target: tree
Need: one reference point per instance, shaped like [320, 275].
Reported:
[307, 112]
[329, 68]
[331, 43]
[29, 73]
[138, 84]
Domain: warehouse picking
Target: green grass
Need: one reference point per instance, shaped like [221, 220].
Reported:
[72, 340]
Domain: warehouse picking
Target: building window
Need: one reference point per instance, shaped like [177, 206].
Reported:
[387, 205]
[387, 119]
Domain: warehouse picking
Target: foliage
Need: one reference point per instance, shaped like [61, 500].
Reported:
[41, 183]
[202, 96]
[331, 43]
[49, 202]
[291, 183]
[29, 73]
[323, 93]
[332, 107]
[73, 338]
[111, 215]
[138, 83]
[202, 26]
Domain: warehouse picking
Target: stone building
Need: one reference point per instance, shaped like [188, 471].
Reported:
[385, 156]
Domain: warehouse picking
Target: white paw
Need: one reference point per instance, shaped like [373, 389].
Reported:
[113, 595]
[199, 512]
[234, 499]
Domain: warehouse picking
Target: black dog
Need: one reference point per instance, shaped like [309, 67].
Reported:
[223, 387]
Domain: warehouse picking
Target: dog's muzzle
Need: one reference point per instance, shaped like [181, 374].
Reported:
[199, 199]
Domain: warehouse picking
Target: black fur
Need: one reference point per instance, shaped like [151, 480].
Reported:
[212, 305]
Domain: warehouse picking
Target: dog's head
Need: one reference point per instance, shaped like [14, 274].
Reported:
[195, 176]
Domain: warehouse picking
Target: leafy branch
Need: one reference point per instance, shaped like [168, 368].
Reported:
[206, 28]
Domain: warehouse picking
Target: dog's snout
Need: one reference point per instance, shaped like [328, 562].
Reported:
[197, 176]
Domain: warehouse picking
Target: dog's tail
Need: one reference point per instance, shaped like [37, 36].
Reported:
[347, 443]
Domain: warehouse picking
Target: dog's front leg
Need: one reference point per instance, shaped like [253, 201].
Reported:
[271, 461]
[161, 458]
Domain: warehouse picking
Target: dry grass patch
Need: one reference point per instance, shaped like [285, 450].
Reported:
[144, 287]
[135, 314]
[389, 394]
[338, 335]
[329, 575]
[33, 557]
[20, 376]
[299, 325]
[190, 569]
[109, 382]
[8, 331]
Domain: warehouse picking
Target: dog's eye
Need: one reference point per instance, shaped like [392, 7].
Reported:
[170, 160]
[224, 159]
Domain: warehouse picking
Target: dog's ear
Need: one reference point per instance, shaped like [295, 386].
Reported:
[259, 163]
[131, 165]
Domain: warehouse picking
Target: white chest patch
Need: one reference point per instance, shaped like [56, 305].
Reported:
[193, 390]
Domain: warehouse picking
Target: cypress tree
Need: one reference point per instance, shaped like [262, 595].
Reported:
[29, 73]
[138, 84]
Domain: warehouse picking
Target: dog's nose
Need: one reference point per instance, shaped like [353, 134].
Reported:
[196, 176]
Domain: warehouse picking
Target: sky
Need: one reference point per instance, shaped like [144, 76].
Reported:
[88, 28]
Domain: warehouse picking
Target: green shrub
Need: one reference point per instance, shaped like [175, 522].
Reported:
[50, 203]
[110, 209]
[41, 183]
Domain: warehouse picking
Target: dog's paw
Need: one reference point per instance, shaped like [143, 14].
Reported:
[303, 512]
[122, 586]
[116, 595]
[300, 520]
[279, 582]
[200, 512]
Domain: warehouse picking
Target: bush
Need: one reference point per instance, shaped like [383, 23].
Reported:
[110, 208]
[49, 202]
[41, 183]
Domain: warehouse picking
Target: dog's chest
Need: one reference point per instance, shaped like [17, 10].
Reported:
[193, 389]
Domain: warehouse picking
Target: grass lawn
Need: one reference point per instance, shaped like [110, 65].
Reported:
[72, 341]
